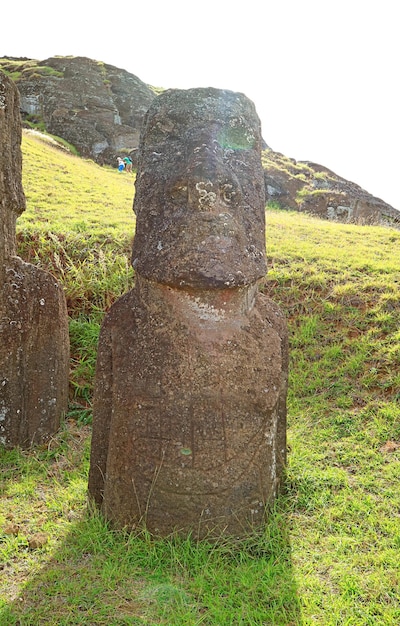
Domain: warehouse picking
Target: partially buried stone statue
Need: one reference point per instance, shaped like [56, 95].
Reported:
[189, 425]
[34, 341]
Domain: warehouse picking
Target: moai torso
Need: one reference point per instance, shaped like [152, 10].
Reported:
[34, 341]
[189, 413]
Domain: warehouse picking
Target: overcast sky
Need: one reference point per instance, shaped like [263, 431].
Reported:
[324, 76]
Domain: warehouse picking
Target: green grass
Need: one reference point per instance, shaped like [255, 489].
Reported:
[329, 554]
[79, 225]
[30, 68]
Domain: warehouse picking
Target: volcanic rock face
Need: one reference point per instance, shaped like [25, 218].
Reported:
[314, 189]
[189, 425]
[98, 108]
[34, 342]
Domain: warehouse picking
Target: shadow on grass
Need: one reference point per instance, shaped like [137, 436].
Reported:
[99, 577]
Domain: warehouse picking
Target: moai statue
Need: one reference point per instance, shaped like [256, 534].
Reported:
[34, 340]
[189, 425]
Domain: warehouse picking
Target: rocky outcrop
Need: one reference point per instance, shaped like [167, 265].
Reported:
[98, 108]
[314, 189]
[34, 341]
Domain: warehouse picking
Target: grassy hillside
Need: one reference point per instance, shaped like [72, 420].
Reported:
[330, 553]
[79, 225]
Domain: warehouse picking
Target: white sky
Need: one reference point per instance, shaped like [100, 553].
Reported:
[324, 76]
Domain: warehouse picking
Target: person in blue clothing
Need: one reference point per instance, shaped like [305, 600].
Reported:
[121, 164]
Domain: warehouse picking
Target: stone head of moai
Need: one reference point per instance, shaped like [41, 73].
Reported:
[34, 341]
[200, 196]
[189, 419]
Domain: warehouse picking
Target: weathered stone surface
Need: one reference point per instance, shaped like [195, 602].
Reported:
[189, 425]
[12, 198]
[34, 342]
[96, 107]
[199, 191]
[314, 189]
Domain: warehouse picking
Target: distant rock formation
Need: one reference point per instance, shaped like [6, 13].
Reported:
[314, 189]
[34, 341]
[189, 421]
[96, 107]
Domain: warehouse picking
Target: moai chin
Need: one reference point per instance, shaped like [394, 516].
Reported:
[34, 340]
[189, 425]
